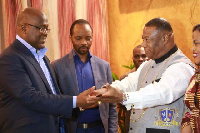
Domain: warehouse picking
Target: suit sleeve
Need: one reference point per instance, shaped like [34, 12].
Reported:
[113, 115]
[18, 83]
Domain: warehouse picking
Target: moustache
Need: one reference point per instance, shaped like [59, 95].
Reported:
[83, 47]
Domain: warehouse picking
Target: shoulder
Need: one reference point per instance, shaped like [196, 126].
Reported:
[60, 60]
[181, 59]
[99, 60]
[182, 65]
[11, 49]
[10, 53]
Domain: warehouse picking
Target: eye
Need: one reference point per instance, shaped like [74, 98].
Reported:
[78, 38]
[146, 39]
[143, 56]
[196, 44]
[88, 38]
[136, 56]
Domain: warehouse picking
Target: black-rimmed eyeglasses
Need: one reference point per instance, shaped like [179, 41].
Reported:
[42, 29]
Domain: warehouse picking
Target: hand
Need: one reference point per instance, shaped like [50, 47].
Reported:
[95, 96]
[112, 95]
[109, 95]
[92, 106]
[99, 92]
[82, 98]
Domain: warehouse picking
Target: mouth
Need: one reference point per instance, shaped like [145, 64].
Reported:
[195, 55]
[84, 48]
[43, 40]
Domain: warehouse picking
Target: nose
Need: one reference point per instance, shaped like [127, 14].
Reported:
[45, 32]
[83, 41]
[193, 48]
[140, 58]
[143, 44]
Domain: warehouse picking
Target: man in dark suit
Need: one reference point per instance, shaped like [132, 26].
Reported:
[29, 95]
[80, 70]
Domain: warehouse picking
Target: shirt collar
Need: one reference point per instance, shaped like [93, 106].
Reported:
[34, 51]
[161, 59]
[76, 56]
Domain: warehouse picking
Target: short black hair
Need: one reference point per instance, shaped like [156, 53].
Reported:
[79, 21]
[196, 27]
[160, 24]
[138, 46]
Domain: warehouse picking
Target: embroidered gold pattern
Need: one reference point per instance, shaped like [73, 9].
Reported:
[190, 98]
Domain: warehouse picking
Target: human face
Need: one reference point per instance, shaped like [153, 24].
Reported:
[81, 39]
[196, 47]
[152, 42]
[139, 56]
[34, 36]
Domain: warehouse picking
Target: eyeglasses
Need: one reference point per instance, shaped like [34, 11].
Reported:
[44, 30]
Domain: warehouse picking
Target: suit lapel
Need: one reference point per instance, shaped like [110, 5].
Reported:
[96, 74]
[94, 67]
[31, 59]
[46, 60]
[73, 71]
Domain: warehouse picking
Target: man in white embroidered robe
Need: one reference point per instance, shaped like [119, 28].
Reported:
[155, 91]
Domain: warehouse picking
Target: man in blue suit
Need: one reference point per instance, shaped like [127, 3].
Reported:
[29, 95]
[80, 70]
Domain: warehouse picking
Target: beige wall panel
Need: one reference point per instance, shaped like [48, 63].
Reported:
[52, 43]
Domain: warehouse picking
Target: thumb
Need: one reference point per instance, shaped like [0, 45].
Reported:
[107, 85]
[91, 90]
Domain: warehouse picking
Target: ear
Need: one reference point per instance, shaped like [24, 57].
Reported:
[166, 37]
[23, 28]
[70, 37]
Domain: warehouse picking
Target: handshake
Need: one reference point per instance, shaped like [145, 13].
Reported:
[91, 97]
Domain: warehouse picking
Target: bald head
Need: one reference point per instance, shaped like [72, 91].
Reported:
[28, 15]
[32, 26]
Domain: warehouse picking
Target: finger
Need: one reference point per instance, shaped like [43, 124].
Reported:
[95, 93]
[101, 91]
[99, 95]
[91, 90]
[93, 99]
[107, 94]
[107, 85]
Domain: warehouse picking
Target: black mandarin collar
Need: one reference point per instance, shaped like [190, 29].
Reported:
[161, 59]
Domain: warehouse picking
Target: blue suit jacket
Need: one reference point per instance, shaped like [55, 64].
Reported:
[27, 104]
[67, 81]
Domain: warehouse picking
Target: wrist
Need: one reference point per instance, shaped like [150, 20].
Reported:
[124, 98]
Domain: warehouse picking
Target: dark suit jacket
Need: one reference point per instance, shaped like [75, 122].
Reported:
[27, 104]
[67, 81]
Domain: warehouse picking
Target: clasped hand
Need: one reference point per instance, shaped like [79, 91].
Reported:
[107, 94]
[91, 97]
